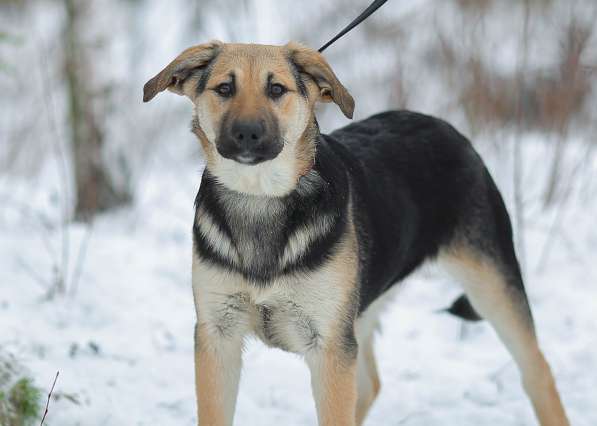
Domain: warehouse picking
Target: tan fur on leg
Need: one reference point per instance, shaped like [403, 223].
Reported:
[333, 377]
[217, 373]
[540, 385]
[368, 384]
[503, 306]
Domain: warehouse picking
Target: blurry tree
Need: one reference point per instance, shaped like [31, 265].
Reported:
[567, 97]
[95, 189]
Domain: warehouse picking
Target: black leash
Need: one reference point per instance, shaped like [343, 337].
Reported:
[366, 13]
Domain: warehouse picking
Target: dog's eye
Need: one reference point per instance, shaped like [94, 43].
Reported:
[276, 90]
[224, 90]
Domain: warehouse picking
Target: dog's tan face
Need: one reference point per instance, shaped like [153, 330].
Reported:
[254, 109]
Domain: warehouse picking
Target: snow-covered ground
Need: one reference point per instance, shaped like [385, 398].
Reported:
[122, 336]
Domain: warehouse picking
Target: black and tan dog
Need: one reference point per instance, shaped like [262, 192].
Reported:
[298, 235]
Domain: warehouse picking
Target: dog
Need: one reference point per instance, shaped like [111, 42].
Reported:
[298, 236]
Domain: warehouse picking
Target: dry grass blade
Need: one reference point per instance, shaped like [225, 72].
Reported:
[48, 401]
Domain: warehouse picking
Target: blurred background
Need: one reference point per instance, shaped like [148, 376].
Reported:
[97, 190]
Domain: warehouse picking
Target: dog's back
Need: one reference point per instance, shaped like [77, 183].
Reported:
[415, 179]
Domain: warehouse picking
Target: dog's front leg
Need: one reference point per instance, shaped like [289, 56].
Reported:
[217, 373]
[333, 379]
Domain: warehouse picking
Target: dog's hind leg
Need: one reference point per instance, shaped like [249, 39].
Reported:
[494, 286]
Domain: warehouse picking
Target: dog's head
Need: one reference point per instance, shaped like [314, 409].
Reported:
[253, 108]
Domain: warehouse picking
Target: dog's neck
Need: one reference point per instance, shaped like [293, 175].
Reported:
[264, 237]
[274, 178]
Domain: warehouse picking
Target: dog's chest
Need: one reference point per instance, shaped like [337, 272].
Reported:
[246, 233]
[252, 267]
[295, 313]
[263, 237]
[256, 228]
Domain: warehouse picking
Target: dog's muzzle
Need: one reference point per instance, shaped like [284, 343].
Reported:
[249, 142]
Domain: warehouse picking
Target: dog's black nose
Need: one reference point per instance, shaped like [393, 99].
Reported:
[248, 134]
[249, 141]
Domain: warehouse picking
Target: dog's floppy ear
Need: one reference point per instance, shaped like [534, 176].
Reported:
[173, 76]
[312, 63]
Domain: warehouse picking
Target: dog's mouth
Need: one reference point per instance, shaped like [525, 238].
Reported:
[250, 156]
[248, 159]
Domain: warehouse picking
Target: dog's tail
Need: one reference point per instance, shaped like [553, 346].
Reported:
[462, 308]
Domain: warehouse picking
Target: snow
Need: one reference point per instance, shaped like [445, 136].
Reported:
[122, 339]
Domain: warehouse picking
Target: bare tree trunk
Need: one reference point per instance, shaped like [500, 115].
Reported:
[95, 190]
[518, 161]
[553, 183]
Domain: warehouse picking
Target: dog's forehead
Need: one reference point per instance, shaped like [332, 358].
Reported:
[255, 52]
[258, 58]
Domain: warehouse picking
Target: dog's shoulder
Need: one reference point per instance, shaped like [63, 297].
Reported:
[408, 144]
